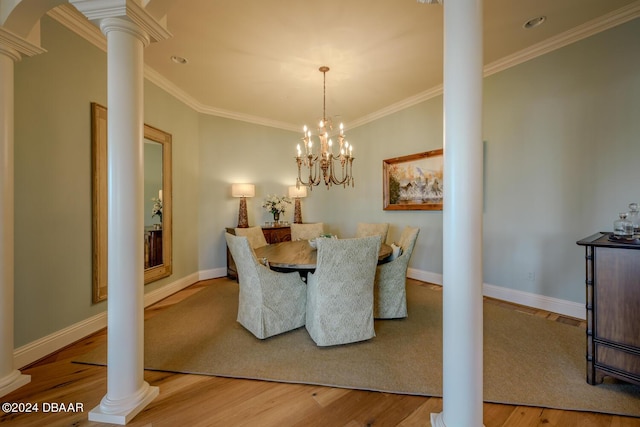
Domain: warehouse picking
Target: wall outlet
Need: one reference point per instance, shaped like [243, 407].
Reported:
[531, 276]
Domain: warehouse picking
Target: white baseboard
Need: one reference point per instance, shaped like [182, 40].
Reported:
[214, 273]
[555, 305]
[44, 346]
[51, 343]
[424, 276]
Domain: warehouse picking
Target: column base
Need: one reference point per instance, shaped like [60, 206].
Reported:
[12, 382]
[437, 420]
[122, 412]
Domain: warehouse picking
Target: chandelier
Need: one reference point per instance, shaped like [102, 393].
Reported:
[325, 166]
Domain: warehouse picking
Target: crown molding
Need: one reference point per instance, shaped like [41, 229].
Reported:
[588, 29]
[399, 106]
[155, 29]
[256, 120]
[85, 29]
[75, 21]
[19, 46]
[156, 78]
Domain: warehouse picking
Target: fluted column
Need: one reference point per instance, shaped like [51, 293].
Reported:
[10, 378]
[462, 226]
[127, 392]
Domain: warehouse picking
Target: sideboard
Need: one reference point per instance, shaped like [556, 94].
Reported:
[613, 308]
[152, 248]
[273, 234]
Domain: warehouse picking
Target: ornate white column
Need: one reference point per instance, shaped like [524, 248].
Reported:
[128, 28]
[10, 378]
[462, 227]
[127, 392]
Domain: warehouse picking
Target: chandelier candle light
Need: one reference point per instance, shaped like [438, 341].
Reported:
[321, 165]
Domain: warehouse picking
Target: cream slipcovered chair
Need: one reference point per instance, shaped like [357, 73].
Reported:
[254, 235]
[340, 292]
[390, 294]
[306, 231]
[270, 303]
[373, 229]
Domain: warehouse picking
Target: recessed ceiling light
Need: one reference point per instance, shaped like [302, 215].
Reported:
[179, 59]
[534, 22]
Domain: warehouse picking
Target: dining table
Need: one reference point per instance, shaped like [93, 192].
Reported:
[300, 256]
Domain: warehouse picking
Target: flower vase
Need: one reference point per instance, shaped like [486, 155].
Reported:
[276, 218]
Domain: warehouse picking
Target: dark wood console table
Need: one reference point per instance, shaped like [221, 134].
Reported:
[153, 248]
[613, 308]
[275, 234]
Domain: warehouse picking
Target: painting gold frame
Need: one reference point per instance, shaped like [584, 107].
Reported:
[414, 182]
[99, 203]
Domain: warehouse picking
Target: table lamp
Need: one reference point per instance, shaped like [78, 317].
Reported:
[243, 191]
[297, 193]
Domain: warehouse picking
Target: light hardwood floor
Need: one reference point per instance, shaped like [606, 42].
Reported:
[194, 400]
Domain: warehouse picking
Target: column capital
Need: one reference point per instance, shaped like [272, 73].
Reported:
[123, 25]
[99, 10]
[15, 46]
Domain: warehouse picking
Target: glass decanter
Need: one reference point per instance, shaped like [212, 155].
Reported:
[633, 216]
[622, 227]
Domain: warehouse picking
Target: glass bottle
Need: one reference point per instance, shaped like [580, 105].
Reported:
[622, 227]
[634, 218]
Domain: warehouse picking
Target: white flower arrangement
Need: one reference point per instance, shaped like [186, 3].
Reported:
[157, 208]
[276, 204]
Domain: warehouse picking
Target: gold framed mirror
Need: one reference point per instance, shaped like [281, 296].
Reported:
[157, 204]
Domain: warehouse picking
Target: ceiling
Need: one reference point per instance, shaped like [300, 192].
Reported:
[258, 60]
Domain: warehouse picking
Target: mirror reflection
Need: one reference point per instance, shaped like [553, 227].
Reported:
[157, 203]
[152, 203]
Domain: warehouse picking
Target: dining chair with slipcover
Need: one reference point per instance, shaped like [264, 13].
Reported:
[365, 229]
[306, 231]
[254, 235]
[390, 293]
[269, 303]
[340, 291]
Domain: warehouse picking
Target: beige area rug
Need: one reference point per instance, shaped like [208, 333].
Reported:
[527, 360]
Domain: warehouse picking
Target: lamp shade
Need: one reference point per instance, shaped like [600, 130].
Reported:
[243, 190]
[298, 192]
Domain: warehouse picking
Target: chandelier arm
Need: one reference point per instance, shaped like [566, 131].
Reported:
[314, 172]
[299, 179]
[343, 178]
[351, 171]
[309, 162]
[347, 171]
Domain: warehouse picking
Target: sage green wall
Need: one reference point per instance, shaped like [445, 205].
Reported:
[563, 143]
[232, 151]
[53, 92]
[53, 264]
